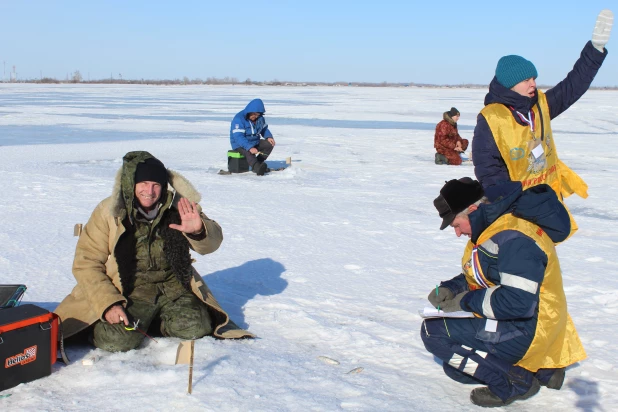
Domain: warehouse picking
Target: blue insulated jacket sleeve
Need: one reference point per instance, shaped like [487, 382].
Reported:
[522, 265]
[489, 167]
[577, 82]
[237, 134]
[456, 285]
[243, 142]
[266, 132]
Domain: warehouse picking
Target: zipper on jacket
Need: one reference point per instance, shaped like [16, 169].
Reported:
[150, 262]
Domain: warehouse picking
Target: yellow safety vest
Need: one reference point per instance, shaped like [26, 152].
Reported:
[531, 156]
[555, 343]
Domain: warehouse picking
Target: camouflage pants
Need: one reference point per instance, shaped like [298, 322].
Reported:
[186, 318]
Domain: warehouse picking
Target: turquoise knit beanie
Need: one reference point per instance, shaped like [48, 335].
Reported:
[514, 69]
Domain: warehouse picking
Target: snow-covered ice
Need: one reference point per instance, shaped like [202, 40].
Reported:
[328, 261]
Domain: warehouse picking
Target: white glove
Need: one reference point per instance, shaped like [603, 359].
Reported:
[602, 29]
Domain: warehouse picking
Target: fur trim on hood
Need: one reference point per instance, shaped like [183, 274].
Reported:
[446, 117]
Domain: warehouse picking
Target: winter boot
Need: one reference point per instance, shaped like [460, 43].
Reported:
[441, 159]
[486, 398]
[259, 168]
[551, 378]
[261, 158]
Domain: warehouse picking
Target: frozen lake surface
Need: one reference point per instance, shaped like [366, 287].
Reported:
[330, 257]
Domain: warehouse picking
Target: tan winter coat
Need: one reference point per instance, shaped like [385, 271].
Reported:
[96, 271]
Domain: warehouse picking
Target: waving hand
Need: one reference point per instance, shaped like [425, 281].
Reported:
[190, 220]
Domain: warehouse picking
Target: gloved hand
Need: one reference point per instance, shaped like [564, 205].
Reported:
[436, 299]
[602, 29]
[453, 305]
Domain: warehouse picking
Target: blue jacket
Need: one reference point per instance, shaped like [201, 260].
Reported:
[243, 132]
[515, 254]
[489, 167]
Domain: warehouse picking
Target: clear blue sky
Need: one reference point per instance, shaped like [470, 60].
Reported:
[437, 42]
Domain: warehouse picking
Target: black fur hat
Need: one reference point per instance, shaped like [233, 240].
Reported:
[455, 197]
[453, 112]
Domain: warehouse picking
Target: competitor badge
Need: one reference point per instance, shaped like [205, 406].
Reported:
[536, 159]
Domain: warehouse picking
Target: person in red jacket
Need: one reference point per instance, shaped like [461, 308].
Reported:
[447, 141]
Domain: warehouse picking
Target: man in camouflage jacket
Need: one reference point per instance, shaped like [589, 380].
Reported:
[133, 264]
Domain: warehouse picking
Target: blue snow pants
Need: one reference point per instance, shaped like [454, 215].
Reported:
[487, 356]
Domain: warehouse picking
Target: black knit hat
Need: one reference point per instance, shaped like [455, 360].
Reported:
[455, 197]
[151, 170]
[453, 112]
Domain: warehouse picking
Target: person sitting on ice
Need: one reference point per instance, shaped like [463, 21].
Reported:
[133, 267]
[522, 336]
[447, 141]
[249, 135]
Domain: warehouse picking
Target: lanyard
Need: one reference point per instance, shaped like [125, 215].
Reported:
[528, 120]
[476, 269]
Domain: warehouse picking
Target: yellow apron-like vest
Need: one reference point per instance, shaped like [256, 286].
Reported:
[531, 157]
[555, 343]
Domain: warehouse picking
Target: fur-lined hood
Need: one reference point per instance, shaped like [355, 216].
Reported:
[450, 121]
[121, 195]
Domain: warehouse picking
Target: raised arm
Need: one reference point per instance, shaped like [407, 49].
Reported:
[568, 91]
[204, 235]
[577, 82]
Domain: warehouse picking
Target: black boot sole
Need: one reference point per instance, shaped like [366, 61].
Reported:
[487, 399]
[260, 169]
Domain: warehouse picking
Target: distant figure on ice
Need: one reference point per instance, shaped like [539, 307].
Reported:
[250, 136]
[523, 336]
[513, 139]
[132, 263]
[447, 141]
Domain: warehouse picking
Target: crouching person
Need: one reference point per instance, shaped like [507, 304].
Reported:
[522, 336]
[133, 264]
[448, 143]
[250, 136]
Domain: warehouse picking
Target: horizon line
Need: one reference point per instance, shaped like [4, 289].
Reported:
[212, 81]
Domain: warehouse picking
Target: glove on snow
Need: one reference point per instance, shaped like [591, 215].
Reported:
[602, 29]
[454, 304]
[443, 295]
